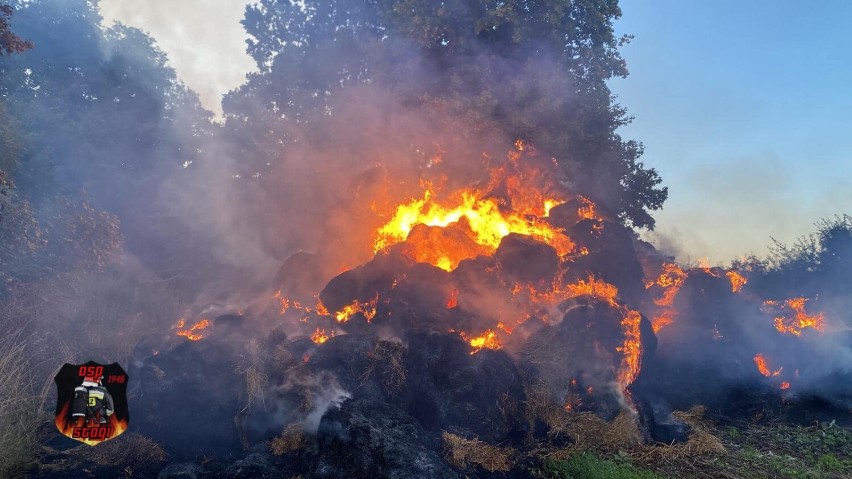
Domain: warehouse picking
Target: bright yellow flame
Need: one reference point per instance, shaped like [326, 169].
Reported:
[368, 309]
[319, 336]
[488, 340]
[488, 224]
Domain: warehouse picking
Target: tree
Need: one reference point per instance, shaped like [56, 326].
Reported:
[535, 70]
[9, 42]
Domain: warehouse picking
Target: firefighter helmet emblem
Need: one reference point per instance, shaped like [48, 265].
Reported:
[91, 401]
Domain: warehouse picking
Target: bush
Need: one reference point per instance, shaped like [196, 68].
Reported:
[589, 466]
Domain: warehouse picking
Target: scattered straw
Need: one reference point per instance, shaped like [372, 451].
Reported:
[290, 440]
[463, 452]
[124, 451]
[700, 442]
[590, 431]
[386, 361]
[540, 406]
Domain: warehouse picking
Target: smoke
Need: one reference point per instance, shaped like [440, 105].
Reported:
[209, 56]
[315, 152]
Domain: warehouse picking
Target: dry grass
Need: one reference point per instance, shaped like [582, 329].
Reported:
[19, 409]
[292, 439]
[700, 442]
[252, 367]
[462, 452]
[540, 406]
[127, 450]
[386, 361]
[591, 432]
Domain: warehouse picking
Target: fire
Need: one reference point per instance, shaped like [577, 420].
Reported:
[488, 340]
[737, 281]
[631, 348]
[473, 221]
[480, 219]
[319, 336]
[763, 367]
[594, 287]
[785, 386]
[799, 320]
[453, 299]
[704, 265]
[368, 309]
[587, 210]
[669, 282]
[193, 332]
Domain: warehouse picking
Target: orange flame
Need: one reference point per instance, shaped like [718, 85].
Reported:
[453, 299]
[368, 309]
[588, 209]
[631, 348]
[669, 282]
[319, 336]
[763, 366]
[785, 386]
[485, 224]
[737, 281]
[192, 333]
[799, 320]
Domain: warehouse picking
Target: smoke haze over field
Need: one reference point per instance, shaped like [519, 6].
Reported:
[729, 197]
[203, 39]
[407, 221]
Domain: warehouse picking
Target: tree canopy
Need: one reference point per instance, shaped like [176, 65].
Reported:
[535, 70]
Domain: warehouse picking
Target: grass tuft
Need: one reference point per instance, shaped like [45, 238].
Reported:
[462, 452]
[590, 466]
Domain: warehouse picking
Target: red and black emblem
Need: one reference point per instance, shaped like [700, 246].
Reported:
[91, 402]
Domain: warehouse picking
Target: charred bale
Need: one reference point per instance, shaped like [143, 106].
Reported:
[376, 440]
[710, 347]
[527, 260]
[448, 388]
[612, 258]
[300, 277]
[578, 360]
[187, 401]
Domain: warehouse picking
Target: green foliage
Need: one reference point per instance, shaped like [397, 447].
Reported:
[815, 265]
[589, 466]
[530, 70]
[829, 463]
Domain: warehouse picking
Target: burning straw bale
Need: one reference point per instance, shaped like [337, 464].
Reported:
[292, 439]
[461, 453]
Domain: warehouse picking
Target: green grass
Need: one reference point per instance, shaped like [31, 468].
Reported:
[590, 466]
[790, 451]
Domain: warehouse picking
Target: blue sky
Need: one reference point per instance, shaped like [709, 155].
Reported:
[743, 106]
[744, 109]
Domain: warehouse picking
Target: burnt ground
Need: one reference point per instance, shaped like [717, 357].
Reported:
[762, 446]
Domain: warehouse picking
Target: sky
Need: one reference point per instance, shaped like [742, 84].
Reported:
[742, 107]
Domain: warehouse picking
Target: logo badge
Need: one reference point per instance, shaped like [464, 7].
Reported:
[91, 402]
